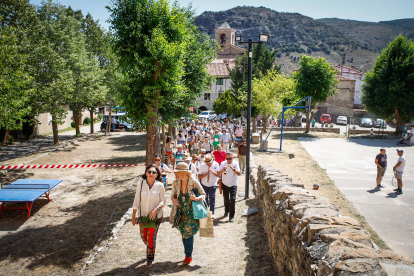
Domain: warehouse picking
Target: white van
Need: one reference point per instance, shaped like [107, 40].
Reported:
[208, 114]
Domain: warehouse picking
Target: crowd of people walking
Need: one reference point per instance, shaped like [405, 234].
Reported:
[201, 160]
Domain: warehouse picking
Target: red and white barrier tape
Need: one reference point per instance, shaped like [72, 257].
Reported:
[62, 166]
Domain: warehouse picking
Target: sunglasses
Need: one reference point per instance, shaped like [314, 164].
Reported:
[152, 172]
[157, 159]
[195, 159]
[229, 158]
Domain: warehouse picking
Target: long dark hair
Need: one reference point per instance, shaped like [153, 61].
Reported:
[168, 139]
[158, 178]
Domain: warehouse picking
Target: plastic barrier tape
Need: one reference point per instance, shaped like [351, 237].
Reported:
[62, 166]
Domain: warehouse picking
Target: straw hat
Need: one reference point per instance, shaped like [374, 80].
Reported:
[182, 167]
[186, 157]
[179, 146]
[208, 159]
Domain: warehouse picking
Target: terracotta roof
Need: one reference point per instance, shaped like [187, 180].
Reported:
[342, 78]
[348, 70]
[219, 69]
[225, 25]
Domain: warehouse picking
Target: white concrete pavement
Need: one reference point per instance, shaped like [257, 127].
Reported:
[350, 164]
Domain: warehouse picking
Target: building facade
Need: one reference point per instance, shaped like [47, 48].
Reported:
[359, 81]
[219, 68]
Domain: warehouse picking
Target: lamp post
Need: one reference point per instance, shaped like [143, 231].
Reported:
[263, 38]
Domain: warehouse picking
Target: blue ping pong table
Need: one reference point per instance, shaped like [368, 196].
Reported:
[26, 191]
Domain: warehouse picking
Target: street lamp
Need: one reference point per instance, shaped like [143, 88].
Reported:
[263, 38]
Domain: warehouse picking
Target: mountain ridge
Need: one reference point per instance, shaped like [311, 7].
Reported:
[294, 34]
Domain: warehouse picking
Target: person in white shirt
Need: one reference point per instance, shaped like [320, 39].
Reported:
[202, 156]
[398, 171]
[225, 140]
[208, 176]
[187, 159]
[229, 172]
[113, 123]
[184, 131]
[149, 201]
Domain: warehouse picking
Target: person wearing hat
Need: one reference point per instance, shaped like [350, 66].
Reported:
[202, 156]
[398, 171]
[186, 189]
[229, 172]
[192, 167]
[208, 175]
[178, 155]
[216, 138]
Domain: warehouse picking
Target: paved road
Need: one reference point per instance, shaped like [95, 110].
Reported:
[350, 164]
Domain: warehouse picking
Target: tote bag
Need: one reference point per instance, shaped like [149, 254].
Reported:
[199, 210]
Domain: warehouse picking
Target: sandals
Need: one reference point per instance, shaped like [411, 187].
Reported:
[187, 261]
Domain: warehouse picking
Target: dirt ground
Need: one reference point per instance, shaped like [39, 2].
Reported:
[299, 165]
[60, 235]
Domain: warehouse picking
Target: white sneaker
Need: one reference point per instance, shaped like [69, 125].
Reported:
[213, 216]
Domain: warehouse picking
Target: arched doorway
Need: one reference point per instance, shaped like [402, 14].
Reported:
[202, 108]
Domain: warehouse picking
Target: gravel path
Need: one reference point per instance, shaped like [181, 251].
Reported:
[60, 236]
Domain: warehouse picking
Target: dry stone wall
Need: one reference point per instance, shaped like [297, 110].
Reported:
[308, 236]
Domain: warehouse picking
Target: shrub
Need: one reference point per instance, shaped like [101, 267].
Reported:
[100, 116]
[10, 139]
[86, 121]
[72, 124]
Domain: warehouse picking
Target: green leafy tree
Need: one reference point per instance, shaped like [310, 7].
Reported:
[389, 87]
[53, 79]
[227, 103]
[14, 81]
[316, 78]
[269, 93]
[162, 57]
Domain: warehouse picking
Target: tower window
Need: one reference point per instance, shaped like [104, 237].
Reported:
[223, 39]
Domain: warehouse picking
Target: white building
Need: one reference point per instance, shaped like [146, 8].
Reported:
[359, 81]
[219, 68]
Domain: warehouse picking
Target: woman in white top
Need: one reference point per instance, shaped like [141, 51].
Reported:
[180, 138]
[149, 201]
[163, 169]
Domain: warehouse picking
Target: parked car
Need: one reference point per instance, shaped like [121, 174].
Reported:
[366, 122]
[342, 120]
[325, 118]
[208, 114]
[380, 123]
[119, 125]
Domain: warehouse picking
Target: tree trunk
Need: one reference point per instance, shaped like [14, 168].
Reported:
[6, 134]
[91, 111]
[400, 121]
[108, 124]
[264, 129]
[309, 119]
[254, 125]
[170, 130]
[76, 117]
[153, 135]
[163, 143]
[55, 131]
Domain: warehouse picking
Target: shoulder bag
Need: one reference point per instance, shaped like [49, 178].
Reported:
[145, 221]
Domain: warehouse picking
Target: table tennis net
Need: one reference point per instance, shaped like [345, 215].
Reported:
[26, 186]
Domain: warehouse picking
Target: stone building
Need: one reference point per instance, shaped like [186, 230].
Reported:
[342, 104]
[359, 81]
[219, 68]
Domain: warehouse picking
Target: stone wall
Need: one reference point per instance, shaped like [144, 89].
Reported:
[308, 236]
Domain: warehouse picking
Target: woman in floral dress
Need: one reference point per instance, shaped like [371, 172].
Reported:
[182, 197]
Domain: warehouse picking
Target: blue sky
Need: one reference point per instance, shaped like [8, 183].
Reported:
[363, 10]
